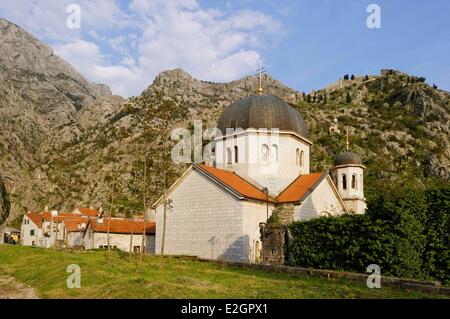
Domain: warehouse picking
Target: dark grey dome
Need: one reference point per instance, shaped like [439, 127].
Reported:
[262, 111]
[347, 158]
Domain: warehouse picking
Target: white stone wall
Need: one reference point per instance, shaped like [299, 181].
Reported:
[75, 239]
[122, 241]
[49, 233]
[276, 173]
[26, 238]
[254, 213]
[353, 197]
[205, 221]
[88, 239]
[322, 201]
[357, 206]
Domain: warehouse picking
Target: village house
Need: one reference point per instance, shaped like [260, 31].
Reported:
[9, 235]
[122, 234]
[85, 229]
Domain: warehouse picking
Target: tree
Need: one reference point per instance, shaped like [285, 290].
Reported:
[366, 78]
[348, 98]
[154, 117]
[346, 77]
[112, 184]
[352, 77]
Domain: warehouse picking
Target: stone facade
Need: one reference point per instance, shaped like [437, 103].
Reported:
[30, 233]
[324, 200]
[352, 189]
[287, 157]
[208, 222]
[95, 240]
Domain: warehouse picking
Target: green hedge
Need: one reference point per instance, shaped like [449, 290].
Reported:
[406, 232]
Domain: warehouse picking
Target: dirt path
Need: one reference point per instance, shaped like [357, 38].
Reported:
[11, 289]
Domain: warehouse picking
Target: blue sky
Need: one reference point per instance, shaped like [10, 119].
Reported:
[306, 44]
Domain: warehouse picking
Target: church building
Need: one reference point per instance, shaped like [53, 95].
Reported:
[261, 161]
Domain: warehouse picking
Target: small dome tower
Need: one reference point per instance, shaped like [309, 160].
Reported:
[347, 174]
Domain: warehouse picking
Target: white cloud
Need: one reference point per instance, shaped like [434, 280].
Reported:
[87, 58]
[127, 47]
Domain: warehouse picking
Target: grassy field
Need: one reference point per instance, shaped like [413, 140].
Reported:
[45, 270]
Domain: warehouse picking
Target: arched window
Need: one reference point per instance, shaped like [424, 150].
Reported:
[265, 153]
[302, 159]
[354, 185]
[344, 181]
[297, 157]
[229, 157]
[236, 154]
[274, 153]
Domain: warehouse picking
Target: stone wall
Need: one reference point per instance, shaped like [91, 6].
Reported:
[323, 200]
[410, 284]
[208, 222]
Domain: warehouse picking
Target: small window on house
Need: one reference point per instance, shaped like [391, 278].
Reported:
[274, 153]
[136, 249]
[229, 157]
[344, 181]
[354, 185]
[236, 154]
[297, 157]
[265, 153]
[32, 232]
[302, 155]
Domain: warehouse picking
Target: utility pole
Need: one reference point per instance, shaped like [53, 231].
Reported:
[110, 212]
[131, 238]
[144, 198]
[161, 260]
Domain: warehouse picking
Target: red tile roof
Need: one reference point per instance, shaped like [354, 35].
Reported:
[47, 216]
[300, 188]
[74, 224]
[235, 182]
[122, 226]
[88, 211]
[35, 218]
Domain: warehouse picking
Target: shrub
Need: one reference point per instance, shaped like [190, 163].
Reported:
[405, 232]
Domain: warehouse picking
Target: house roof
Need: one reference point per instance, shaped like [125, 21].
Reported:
[87, 211]
[47, 216]
[122, 226]
[74, 224]
[295, 192]
[35, 218]
[300, 188]
[235, 182]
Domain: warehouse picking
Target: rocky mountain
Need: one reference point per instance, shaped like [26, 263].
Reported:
[41, 96]
[398, 124]
[67, 142]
